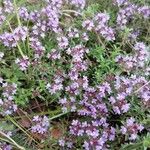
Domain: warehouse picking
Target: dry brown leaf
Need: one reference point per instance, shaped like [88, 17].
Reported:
[56, 133]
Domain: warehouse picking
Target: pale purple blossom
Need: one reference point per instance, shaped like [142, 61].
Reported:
[131, 128]
[144, 11]
[88, 25]
[54, 54]
[40, 124]
[23, 63]
[62, 42]
[23, 13]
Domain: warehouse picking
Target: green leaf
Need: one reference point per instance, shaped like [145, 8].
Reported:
[146, 141]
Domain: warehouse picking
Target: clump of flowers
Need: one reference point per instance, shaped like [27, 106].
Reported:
[23, 63]
[136, 60]
[79, 4]
[102, 28]
[144, 11]
[73, 33]
[80, 61]
[5, 146]
[7, 105]
[62, 42]
[53, 55]
[2, 17]
[131, 128]
[57, 83]
[125, 14]
[100, 25]
[8, 6]
[23, 13]
[11, 39]
[20, 33]
[37, 47]
[41, 124]
[8, 39]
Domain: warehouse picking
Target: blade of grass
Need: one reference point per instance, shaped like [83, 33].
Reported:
[12, 141]
[17, 125]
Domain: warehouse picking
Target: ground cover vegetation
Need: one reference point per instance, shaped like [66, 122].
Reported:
[74, 74]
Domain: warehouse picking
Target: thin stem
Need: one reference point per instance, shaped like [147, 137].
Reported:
[14, 143]
[18, 18]
[21, 128]
[72, 11]
[99, 40]
[6, 141]
[40, 114]
[19, 48]
[59, 115]
[142, 87]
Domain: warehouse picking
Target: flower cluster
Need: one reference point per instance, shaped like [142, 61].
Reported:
[73, 33]
[96, 138]
[68, 104]
[53, 55]
[92, 104]
[23, 13]
[62, 42]
[96, 84]
[135, 60]
[8, 6]
[100, 25]
[23, 63]
[131, 128]
[2, 17]
[57, 84]
[144, 11]
[80, 4]
[142, 89]
[41, 124]
[37, 47]
[125, 14]
[129, 11]
[7, 104]
[51, 12]
[11, 39]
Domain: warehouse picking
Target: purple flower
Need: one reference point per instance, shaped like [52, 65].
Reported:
[144, 11]
[88, 24]
[101, 27]
[120, 2]
[85, 37]
[34, 15]
[54, 54]
[56, 84]
[20, 33]
[73, 33]
[62, 42]
[2, 16]
[131, 128]
[23, 13]
[80, 4]
[101, 18]
[37, 47]
[41, 124]
[23, 63]
[8, 39]
[9, 90]
[61, 142]
[8, 6]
